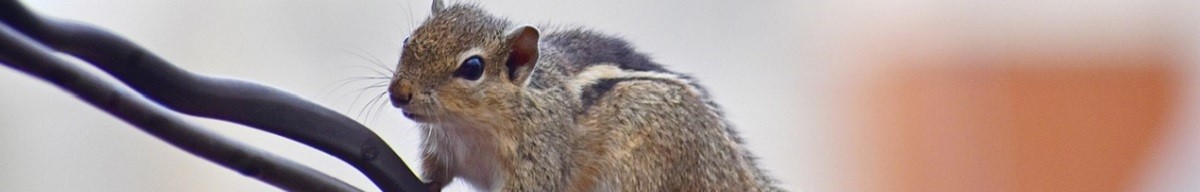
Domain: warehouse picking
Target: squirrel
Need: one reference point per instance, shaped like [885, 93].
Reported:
[506, 108]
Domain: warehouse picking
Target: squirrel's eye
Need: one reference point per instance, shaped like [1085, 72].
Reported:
[470, 69]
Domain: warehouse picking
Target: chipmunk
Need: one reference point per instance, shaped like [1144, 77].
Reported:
[506, 108]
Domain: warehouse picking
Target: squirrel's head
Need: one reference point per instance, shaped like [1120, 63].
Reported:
[463, 64]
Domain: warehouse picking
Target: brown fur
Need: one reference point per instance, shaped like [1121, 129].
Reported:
[587, 114]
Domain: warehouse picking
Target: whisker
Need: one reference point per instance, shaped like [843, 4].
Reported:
[355, 102]
[368, 106]
[376, 72]
[379, 109]
[361, 90]
[354, 86]
[365, 89]
[331, 90]
[364, 55]
[373, 86]
[397, 5]
[408, 4]
[347, 81]
[438, 104]
[378, 85]
[378, 63]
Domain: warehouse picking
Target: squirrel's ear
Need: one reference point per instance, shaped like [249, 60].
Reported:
[523, 54]
[437, 7]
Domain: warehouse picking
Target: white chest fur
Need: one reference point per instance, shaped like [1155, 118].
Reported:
[471, 154]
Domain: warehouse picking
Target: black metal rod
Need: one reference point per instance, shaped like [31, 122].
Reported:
[246, 103]
[23, 54]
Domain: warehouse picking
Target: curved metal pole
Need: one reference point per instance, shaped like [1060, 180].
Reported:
[23, 54]
[246, 103]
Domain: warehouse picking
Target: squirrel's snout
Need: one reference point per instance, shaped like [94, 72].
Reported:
[400, 94]
[401, 100]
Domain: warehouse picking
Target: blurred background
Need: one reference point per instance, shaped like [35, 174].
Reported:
[924, 95]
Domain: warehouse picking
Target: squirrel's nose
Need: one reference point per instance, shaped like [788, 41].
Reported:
[400, 100]
[400, 93]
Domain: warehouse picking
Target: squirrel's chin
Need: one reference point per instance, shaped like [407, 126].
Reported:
[416, 117]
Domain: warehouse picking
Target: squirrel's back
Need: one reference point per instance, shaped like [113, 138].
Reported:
[600, 64]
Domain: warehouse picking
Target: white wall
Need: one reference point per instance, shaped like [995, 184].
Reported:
[763, 60]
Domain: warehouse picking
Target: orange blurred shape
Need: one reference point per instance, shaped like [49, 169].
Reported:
[1013, 128]
[941, 107]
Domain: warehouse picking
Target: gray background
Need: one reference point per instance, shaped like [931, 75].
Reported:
[766, 62]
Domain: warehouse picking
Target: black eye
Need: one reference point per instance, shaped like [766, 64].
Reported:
[470, 69]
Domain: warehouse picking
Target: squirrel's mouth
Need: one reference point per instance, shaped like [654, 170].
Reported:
[415, 117]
